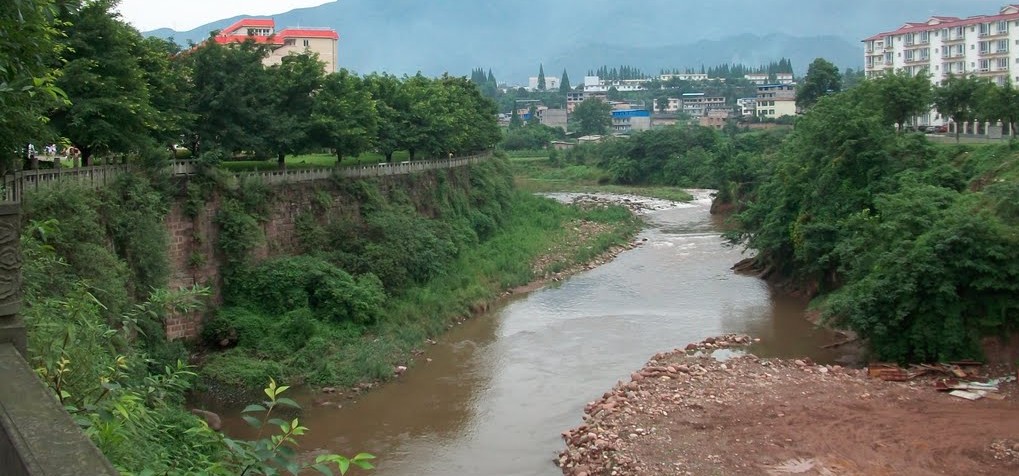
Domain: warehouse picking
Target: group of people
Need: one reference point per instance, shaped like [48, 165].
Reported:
[51, 151]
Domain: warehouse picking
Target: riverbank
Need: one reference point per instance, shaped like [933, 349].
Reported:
[714, 408]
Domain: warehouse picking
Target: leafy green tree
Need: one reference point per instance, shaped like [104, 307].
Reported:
[593, 116]
[958, 98]
[613, 94]
[515, 121]
[541, 77]
[231, 95]
[532, 116]
[662, 103]
[900, 96]
[822, 78]
[168, 76]
[392, 105]
[564, 83]
[27, 78]
[293, 84]
[1000, 103]
[344, 116]
[110, 108]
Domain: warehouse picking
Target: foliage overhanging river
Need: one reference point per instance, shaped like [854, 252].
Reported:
[501, 387]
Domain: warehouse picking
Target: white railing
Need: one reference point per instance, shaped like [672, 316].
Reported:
[16, 184]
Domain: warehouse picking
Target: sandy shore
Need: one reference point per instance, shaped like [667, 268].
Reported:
[713, 409]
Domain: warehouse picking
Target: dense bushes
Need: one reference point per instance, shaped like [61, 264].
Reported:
[676, 156]
[913, 245]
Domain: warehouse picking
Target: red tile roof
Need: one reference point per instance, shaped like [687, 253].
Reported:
[249, 23]
[947, 22]
[308, 33]
[227, 39]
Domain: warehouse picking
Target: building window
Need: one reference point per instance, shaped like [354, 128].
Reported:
[1002, 26]
[1002, 46]
[1002, 63]
[306, 43]
[985, 65]
[985, 29]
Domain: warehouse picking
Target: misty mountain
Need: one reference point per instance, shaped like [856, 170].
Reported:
[514, 36]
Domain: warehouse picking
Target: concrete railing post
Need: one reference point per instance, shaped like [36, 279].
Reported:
[12, 328]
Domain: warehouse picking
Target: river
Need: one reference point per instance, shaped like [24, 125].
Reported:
[500, 388]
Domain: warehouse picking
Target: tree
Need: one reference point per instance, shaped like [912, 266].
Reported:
[822, 78]
[231, 96]
[1001, 103]
[613, 94]
[593, 116]
[515, 121]
[957, 98]
[168, 77]
[109, 109]
[293, 84]
[541, 77]
[662, 103]
[564, 83]
[27, 78]
[900, 96]
[532, 116]
[392, 106]
[344, 117]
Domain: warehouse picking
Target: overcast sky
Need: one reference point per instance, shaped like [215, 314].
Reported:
[183, 15]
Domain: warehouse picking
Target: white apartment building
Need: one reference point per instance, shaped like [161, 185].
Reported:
[594, 84]
[984, 45]
[747, 106]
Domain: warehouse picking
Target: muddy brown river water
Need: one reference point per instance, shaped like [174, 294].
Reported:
[500, 388]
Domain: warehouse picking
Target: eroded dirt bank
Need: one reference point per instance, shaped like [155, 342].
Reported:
[688, 412]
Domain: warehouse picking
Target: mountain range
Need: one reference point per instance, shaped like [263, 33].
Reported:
[512, 37]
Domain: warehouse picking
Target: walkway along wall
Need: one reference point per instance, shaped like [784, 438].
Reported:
[194, 254]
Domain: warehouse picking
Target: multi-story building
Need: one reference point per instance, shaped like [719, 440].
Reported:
[554, 118]
[595, 84]
[747, 106]
[716, 118]
[684, 77]
[766, 78]
[551, 83]
[775, 100]
[983, 45]
[631, 120]
[698, 104]
[323, 41]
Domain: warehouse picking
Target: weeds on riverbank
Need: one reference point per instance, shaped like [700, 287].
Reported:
[438, 258]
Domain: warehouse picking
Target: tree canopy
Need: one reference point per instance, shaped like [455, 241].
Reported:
[822, 78]
[593, 116]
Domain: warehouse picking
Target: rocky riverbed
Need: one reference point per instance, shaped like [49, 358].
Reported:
[713, 408]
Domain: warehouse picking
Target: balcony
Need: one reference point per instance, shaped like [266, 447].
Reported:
[994, 52]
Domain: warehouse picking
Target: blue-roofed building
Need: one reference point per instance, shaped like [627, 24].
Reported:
[631, 120]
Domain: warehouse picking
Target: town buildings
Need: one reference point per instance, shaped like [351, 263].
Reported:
[746, 106]
[323, 41]
[551, 83]
[775, 100]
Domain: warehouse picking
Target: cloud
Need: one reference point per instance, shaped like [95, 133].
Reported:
[187, 14]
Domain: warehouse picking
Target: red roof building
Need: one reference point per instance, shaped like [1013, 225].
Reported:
[324, 41]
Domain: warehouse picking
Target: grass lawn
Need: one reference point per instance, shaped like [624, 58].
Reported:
[312, 161]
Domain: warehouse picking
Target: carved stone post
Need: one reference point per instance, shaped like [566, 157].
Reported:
[12, 328]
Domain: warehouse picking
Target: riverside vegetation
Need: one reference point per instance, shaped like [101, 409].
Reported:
[419, 253]
[912, 245]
